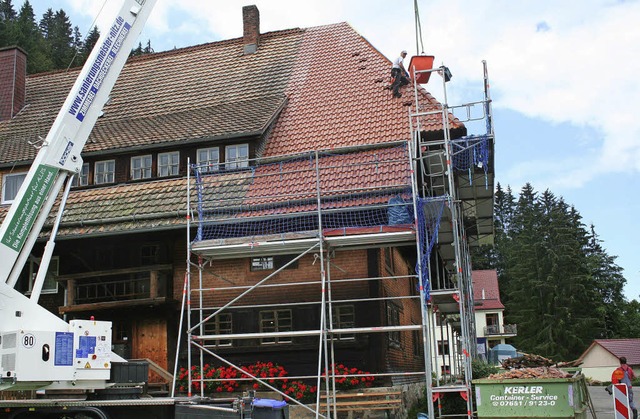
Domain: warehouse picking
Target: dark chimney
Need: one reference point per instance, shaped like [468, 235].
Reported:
[251, 23]
[13, 80]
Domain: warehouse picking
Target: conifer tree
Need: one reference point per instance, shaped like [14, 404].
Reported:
[60, 40]
[90, 42]
[7, 23]
[608, 283]
[557, 281]
[30, 39]
[46, 23]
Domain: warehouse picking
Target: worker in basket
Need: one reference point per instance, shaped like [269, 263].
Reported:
[624, 374]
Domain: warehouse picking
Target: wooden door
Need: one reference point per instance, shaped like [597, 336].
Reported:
[150, 341]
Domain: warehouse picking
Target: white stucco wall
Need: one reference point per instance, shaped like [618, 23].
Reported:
[598, 364]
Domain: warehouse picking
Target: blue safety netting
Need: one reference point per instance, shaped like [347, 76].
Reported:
[362, 189]
[429, 213]
[470, 152]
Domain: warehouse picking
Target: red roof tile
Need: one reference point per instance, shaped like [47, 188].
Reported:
[340, 175]
[336, 96]
[486, 291]
[629, 348]
[323, 86]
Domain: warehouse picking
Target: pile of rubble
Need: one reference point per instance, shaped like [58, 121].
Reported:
[531, 372]
[531, 366]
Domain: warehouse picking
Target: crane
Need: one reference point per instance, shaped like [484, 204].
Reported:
[40, 350]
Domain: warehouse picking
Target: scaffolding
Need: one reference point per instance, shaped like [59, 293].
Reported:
[323, 231]
[459, 170]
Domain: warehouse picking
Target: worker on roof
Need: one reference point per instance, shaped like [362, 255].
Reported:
[624, 374]
[399, 74]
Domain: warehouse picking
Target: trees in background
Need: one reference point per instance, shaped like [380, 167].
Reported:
[53, 43]
[557, 282]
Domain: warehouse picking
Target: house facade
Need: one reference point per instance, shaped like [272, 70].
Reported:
[489, 311]
[290, 210]
[602, 357]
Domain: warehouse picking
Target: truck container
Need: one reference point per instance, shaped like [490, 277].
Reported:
[532, 398]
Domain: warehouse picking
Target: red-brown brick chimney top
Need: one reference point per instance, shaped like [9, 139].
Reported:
[13, 81]
[251, 23]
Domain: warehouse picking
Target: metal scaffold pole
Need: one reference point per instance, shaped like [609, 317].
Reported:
[420, 270]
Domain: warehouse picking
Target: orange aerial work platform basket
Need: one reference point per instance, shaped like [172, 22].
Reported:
[422, 64]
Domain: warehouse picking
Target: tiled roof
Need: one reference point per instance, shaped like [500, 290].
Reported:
[355, 187]
[338, 175]
[206, 91]
[131, 207]
[323, 86]
[629, 348]
[337, 96]
[486, 291]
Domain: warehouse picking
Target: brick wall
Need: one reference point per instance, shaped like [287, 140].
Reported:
[251, 25]
[13, 74]
[237, 272]
[370, 352]
[402, 357]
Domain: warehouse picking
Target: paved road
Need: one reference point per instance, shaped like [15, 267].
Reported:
[603, 402]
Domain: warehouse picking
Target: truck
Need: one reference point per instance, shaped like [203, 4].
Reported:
[70, 365]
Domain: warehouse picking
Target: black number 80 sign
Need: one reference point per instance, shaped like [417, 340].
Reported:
[28, 340]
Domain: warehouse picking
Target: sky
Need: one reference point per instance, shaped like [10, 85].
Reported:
[563, 76]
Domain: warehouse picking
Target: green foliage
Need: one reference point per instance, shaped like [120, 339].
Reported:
[557, 282]
[139, 50]
[482, 369]
[630, 320]
[53, 43]
[89, 43]
[454, 404]
[223, 379]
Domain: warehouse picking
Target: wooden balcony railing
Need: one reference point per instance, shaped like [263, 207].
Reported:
[117, 287]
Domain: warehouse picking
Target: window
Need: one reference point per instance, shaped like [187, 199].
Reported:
[168, 163]
[267, 263]
[492, 319]
[414, 284]
[141, 167]
[82, 178]
[50, 285]
[417, 343]
[388, 261]
[275, 321]
[493, 325]
[219, 325]
[121, 330]
[237, 156]
[149, 254]
[208, 159]
[262, 263]
[10, 185]
[344, 317]
[393, 319]
[443, 347]
[105, 172]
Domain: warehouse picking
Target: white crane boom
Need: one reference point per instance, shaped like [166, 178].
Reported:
[40, 350]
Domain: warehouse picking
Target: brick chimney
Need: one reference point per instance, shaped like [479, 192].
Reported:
[251, 23]
[13, 79]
